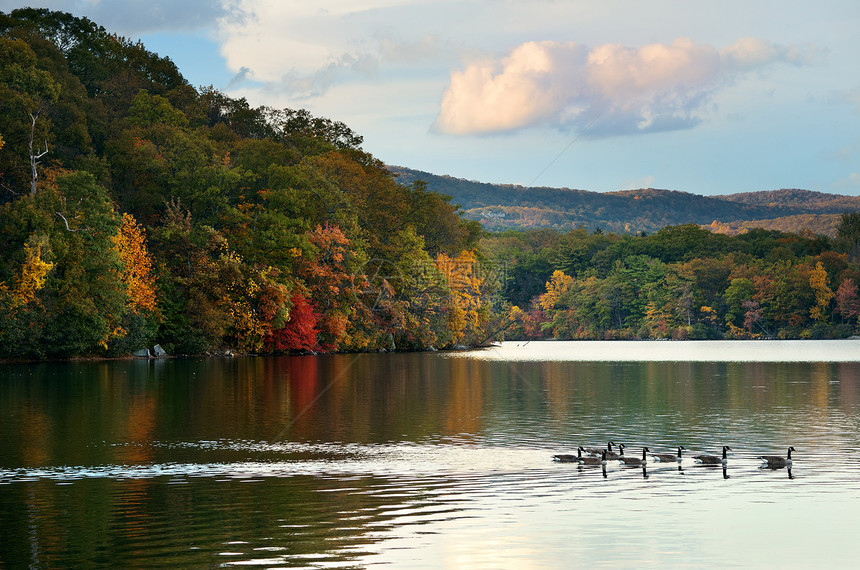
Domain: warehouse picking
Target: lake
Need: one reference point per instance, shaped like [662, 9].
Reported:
[435, 460]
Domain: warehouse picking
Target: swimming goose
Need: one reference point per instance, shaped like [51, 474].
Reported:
[569, 458]
[599, 450]
[713, 459]
[635, 460]
[776, 460]
[613, 456]
[594, 460]
[669, 456]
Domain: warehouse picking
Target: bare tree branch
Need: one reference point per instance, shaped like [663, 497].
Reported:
[34, 157]
[67, 223]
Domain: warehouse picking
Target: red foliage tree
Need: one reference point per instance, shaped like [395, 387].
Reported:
[300, 332]
[847, 300]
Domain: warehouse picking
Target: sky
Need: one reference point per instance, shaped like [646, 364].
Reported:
[707, 97]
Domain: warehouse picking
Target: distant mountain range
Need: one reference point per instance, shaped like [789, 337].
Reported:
[505, 206]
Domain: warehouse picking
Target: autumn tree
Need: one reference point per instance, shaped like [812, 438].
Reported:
[848, 301]
[33, 273]
[300, 332]
[823, 294]
[467, 314]
[137, 273]
[328, 270]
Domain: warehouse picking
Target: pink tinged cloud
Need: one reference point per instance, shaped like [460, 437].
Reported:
[651, 88]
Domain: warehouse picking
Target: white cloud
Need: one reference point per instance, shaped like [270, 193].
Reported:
[656, 87]
[644, 182]
[302, 49]
[849, 183]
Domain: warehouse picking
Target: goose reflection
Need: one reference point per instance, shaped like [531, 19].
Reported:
[709, 467]
[777, 468]
[602, 466]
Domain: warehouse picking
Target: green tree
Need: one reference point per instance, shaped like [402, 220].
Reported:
[26, 92]
[740, 290]
[848, 235]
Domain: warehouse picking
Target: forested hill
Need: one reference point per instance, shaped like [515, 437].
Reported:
[499, 207]
[136, 209]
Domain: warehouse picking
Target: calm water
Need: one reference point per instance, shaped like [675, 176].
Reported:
[434, 460]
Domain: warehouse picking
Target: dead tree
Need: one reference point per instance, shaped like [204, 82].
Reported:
[34, 157]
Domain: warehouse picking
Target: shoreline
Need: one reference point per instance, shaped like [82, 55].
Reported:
[227, 354]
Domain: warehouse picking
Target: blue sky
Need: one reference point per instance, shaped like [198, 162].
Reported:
[698, 96]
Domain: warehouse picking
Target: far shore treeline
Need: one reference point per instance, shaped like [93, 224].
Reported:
[136, 209]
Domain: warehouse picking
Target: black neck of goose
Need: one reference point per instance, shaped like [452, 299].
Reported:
[788, 456]
[679, 453]
[724, 452]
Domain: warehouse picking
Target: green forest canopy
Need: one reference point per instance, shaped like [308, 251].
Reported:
[136, 209]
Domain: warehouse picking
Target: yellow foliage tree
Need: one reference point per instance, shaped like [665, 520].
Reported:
[465, 282]
[823, 294]
[33, 275]
[557, 286]
[137, 275]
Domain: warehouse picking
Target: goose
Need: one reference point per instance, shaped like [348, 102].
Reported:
[613, 456]
[669, 456]
[594, 460]
[777, 461]
[635, 460]
[569, 458]
[599, 450]
[713, 459]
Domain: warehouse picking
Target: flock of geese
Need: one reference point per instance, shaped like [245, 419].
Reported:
[599, 456]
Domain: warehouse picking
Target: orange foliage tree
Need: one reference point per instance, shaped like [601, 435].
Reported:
[137, 274]
[332, 284]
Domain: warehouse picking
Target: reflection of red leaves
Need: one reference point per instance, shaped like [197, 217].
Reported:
[300, 332]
